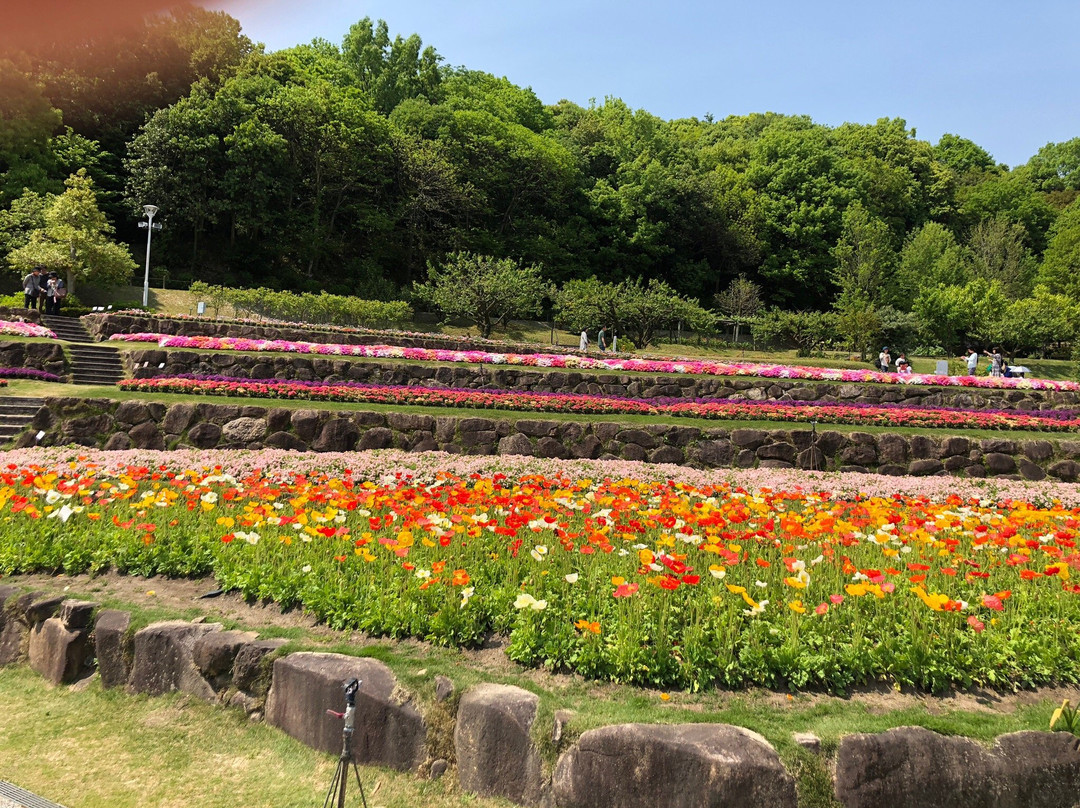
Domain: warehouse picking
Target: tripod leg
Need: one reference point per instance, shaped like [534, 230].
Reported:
[359, 785]
[335, 784]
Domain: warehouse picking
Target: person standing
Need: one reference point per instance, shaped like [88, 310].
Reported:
[884, 359]
[56, 292]
[601, 340]
[972, 359]
[996, 361]
[32, 288]
[583, 343]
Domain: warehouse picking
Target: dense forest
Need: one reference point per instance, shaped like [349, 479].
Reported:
[350, 167]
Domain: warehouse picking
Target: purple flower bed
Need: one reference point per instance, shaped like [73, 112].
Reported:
[29, 373]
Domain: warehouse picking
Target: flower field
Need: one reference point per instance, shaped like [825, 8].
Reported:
[693, 367]
[16, 328]
[711, 409]
[689, 581]
[28, 373]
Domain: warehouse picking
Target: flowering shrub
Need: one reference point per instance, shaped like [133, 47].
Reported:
[16, 328]
[390, 334]
[713, 409]
[28, 373]
[693, 367]
[652, 581]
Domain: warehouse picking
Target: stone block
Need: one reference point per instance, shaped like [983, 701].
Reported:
[911, 767]
[58, 653]
[998, 463]
[924, 468]
[164, 659]
[1038, 450]
[244, 430]
[77, 614]
[250, 672]
[113, 647]
[1067, 470]
[214, 653]
[378, 437]
[338, 435]
[749, 438]
[389, 729]
[1031, 471]
[204, 435]
[132, 412]
[496, 756]
[675, 766]
[516, 444]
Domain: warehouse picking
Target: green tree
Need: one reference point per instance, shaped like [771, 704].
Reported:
[998, 254]
[930, 257]
[389, 71]
[1060, 270]
[17, 223]
[75, 240]
[865, 259]
[486, 291]
[1037, 322]
[740, 301]
[965, 157]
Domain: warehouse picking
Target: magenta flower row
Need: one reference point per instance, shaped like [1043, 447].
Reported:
[694, 367]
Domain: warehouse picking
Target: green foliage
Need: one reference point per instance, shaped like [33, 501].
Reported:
[1060, 270]
[75, 240]
[807, 331]
[306, 307]
[486, 291]
[637, 309]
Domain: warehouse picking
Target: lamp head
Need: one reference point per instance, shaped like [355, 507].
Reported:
[150, 210]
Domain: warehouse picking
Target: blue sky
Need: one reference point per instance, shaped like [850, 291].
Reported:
[1004, 74]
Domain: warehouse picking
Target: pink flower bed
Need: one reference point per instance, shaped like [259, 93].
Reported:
[693, 367]
[720, 409]
[17, 328]
[388, 465]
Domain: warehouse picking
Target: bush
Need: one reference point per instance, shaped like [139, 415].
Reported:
[305, 307]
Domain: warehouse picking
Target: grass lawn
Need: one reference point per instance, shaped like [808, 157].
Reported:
[104, 749]
[47, 389]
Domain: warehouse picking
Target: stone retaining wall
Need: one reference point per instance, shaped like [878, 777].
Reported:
[47, 356]
[153, 425]
[103, 326]
[495, 727]
[149, 363]
[15, 312]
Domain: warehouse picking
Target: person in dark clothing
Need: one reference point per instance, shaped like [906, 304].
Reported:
[32, 284]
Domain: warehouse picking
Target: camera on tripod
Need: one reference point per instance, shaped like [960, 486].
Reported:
[351, 687]
[336, 795]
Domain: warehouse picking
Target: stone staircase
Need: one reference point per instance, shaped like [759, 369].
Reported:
[91, 363]
[16, 415]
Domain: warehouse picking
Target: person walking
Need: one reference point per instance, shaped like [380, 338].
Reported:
[601, 340]
[32, 288]
[583, 343]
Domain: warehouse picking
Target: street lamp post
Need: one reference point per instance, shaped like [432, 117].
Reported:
[150, 211]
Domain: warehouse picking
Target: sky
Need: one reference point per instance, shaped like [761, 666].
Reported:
[1004, 74]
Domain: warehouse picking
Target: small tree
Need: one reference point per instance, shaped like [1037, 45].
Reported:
[486, 291]
[76, 240]
[741, 301]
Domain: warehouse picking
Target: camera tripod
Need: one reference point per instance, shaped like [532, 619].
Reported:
[335, 797]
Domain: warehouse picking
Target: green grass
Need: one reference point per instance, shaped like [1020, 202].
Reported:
[104, 749]
[46, 389]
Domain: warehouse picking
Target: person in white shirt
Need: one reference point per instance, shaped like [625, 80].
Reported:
[972, 359]
[583, 343]
[884, 359]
